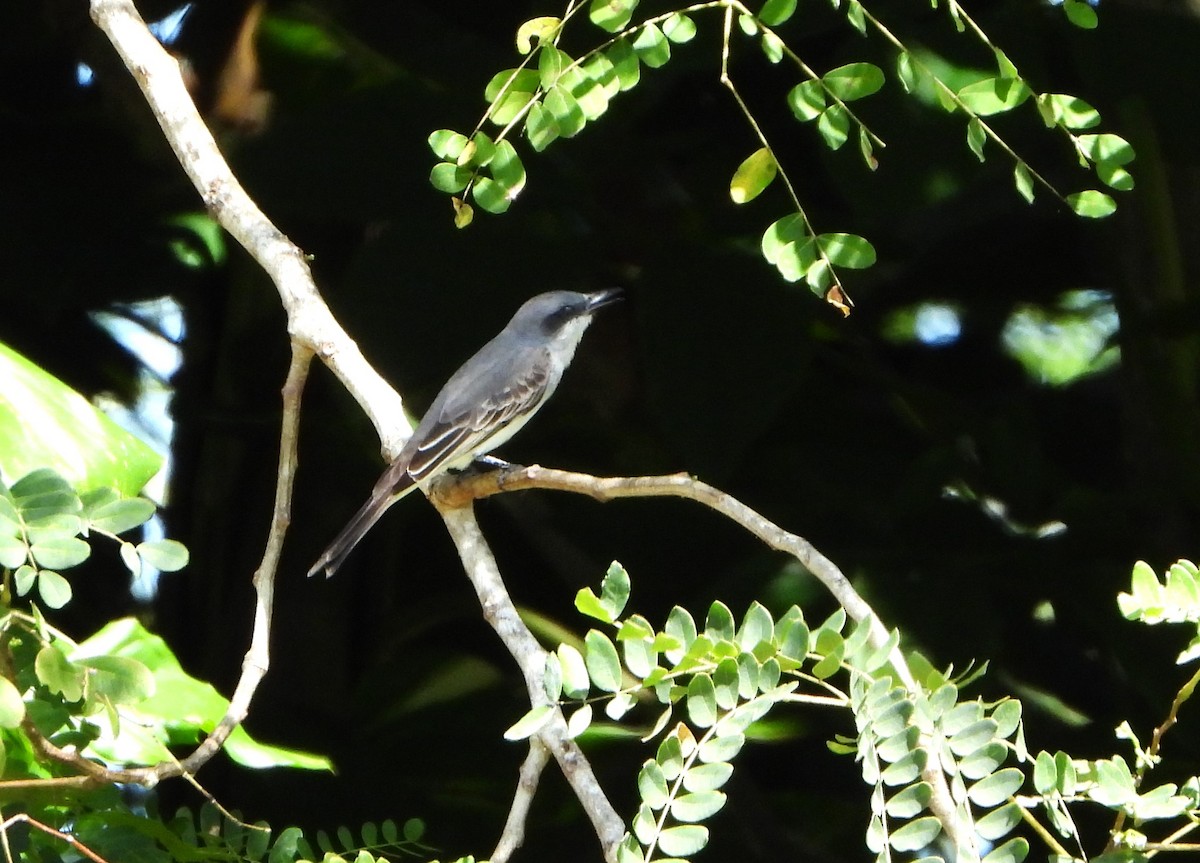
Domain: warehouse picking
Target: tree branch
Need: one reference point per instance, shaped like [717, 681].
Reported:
[501, 613]
[309, 320]
[456, 494]
[513, 835]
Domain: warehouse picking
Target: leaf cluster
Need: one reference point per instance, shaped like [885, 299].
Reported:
[44, 524]
[552, 95]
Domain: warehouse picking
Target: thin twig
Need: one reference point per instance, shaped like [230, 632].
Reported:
[257, 660]
[513, 835]
[23, 817]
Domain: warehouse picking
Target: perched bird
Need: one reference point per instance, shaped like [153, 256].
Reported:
[483, 404]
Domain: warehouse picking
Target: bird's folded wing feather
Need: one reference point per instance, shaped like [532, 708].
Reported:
[457, 432]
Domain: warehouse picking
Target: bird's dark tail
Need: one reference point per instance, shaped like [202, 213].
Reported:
[364, 520]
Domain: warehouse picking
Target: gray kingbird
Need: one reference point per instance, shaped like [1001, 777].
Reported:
[483, 404]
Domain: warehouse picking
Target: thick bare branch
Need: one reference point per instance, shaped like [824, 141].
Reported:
[309, 319]
[499, 611]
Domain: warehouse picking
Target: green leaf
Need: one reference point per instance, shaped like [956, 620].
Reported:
[976, 137]
[652, 46]
[983, 762]
[723, 748]
[699, 806]
[1092, 204]
[1004, 66]
[579, 721]
[911, 801]
[719, 625]
[834, 126]
[995, 789]
[121, 515]
[611, 15]
[543, 29]
[683, 841]
[629, 851]
[1081, 14]
[974, 736]
[575, 680]
[681, 627]
[614, 589]
[593, 84]
[531, 723]
[855, 15]
[587, 603]
[867, 149]
[915, 835]
[994, 95]
[603, 664]
[1070, 111]
[565, 109]
[506, 81]
[551, 63]
[1007, 716]
[25, 578]
[1106, 148]
[59, 674]
[854, 80]
[707, 777]
[129, 557]
[702, 701]
[167, 555]
[625, 63]
[61, 552]
[1024, 181]
[753, 176]
[1045, 773]
[540, 127]
[54, 590]
[906, 770]
[448, 177]
[12, 707]
[679, 28]
[999, 822]
[906, 72]
[491, 195]
[46, 424]
[13, 551]
[447, 144]
[807, 100]
[652, 785]
[1114, 176]
[847, 250]
[552, 678]
[181, 709]
[119, 679]
[757, 626]
[1013, 851]
[507, 170]
[775, 12]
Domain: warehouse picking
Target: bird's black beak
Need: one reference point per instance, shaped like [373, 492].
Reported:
[600, 299]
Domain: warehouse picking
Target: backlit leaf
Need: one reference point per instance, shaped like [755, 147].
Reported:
[753, 176]
[1092, 204]
[834, 126]
[854, 80]
[807, 100]
[775, 12]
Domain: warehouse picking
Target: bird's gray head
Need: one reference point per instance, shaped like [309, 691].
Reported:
[561, 314]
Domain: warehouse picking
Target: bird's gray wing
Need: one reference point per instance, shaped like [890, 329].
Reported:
[465, 427]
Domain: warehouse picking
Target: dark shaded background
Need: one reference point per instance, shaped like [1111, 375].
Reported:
[713, 366]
